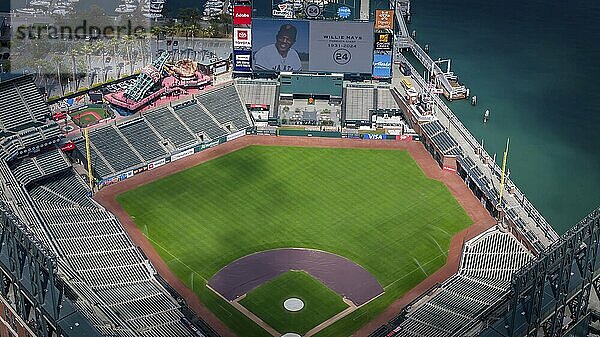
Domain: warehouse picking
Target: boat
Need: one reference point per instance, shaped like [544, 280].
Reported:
[152, 15]
[40, 3]
[156, 8]
[26, 10]
[125, 8]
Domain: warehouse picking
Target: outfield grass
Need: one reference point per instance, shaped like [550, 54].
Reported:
[320, 302]
[374, 207]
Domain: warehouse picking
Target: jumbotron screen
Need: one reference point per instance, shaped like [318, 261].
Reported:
[312, 46]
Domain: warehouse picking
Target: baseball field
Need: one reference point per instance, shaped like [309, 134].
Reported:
[375, 208]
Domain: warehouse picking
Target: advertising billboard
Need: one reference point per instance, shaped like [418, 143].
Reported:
[242, 61]
[285, 9]
[383, 41]
[341, 47]
[384, 19]
[280, 45]
[242, 38]
[313, 46]
[382, 65]
[242, 15]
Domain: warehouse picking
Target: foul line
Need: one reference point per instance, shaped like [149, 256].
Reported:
[414, 270]
[176, 258]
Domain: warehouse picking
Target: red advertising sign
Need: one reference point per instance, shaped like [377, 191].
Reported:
[241, 38]
[242, 15]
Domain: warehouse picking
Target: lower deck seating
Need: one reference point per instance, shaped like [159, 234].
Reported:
[99, 166]
[169, 127]
[93, 243]
[114, 148]
[462, 297]
[225, 105]
[199, 121]
[143, 139]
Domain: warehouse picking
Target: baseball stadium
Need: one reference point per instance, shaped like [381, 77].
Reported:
[323, 190]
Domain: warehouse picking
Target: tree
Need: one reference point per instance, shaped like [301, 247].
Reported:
[128, 41]
[57, 60]
[87, 50]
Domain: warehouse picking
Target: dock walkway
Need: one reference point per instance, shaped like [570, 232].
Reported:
[405, 41]
[531, 224]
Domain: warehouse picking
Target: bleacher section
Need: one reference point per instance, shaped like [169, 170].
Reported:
[157, 133]
[225, 105]
[143, 139]
[21, 104]
[487, 264]
[169, 127]
[199, 121]
[99, 164]
[114, 148]
[385, 100]
[258, 92]
[358, 103]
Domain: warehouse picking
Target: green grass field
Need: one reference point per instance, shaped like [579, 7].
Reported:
[320, 302]
[89, 116]
[375, 207]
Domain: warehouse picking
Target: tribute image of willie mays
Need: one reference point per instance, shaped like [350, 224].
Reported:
[280, 56]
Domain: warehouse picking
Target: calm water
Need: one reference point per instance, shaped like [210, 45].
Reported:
[534, 65]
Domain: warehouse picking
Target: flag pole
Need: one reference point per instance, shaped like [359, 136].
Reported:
[503, 173]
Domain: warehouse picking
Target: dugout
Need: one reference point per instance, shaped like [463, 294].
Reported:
[323, 87]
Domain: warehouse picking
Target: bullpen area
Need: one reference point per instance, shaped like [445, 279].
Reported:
[342, 233]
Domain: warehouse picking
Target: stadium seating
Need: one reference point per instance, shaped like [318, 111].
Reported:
[258, 92]
[487, 264]
[359, 100]
[164, 130]
[169, 127]
[52, 162]
[26, 171]
[385, 100]
[114, 269]
[21, 104]
[114, 148]
[34, 100]
[104, 274]
[99, 163]
[225, 105]
[44, 165]
[13, 112]
[143, 139]
[199, 121]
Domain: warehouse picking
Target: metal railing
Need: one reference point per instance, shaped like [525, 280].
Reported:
[477, 149]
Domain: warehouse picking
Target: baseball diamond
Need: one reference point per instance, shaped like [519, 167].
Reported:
[263, 198]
